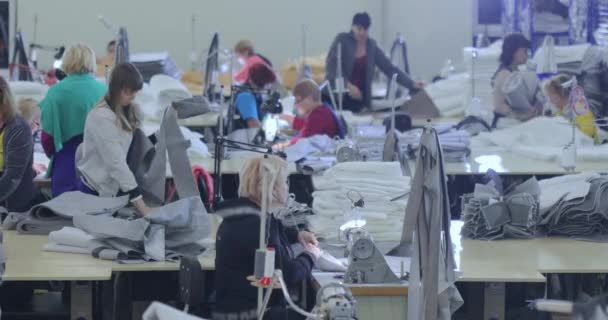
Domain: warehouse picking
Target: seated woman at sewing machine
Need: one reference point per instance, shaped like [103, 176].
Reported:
[238, 237]
[248, 57]
[108, 132]
[514, 53]
[107, 59]
[360, 57]
[559, 94]
[248, 102]
[316, 118]
[64, 111]
[17, 190]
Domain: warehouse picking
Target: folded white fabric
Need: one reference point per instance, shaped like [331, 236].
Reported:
[69, 236]
[168, 90]
[565, 54]
[28, 89]
[317, 144]
[54, 247]
[159, 311]
[448, 94]
[564, 188]
[376, 182]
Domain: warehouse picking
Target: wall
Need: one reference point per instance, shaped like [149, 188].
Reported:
[434, 29]
[273, 25]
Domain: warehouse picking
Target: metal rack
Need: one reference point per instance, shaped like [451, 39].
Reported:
[583, 17]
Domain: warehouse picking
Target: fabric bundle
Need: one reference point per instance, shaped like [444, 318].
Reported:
[315, 145]
[28, 89]
[581, 212]
[377, 183]
[488, 214]
[153, 63]
[167, 233]
[168, 90]
[60, 211]
[449, 94]
[542, 138]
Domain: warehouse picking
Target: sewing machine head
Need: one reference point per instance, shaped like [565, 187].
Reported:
[366, 264]
[336, 302]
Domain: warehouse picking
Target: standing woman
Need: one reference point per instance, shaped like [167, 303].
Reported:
[64, 111]
[360, 57]
[17, 189]
[514, 53]
[108, 133]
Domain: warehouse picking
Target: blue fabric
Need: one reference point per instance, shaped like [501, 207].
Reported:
[63, 178]
[247, 106]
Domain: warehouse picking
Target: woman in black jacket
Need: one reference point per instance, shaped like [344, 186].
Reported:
[360, 57]
[17, 190]
[238, 238]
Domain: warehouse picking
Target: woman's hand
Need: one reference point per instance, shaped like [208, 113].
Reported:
[305, 237]
[313, 250]
[280, 146]
[287, 117]
[142, 207]
[354, 92]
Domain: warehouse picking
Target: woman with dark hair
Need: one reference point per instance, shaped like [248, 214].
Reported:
[108, 133]
[360, 57]
[17, 189]
[514, 53]
[248, 103]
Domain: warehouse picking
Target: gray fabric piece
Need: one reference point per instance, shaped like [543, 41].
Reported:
[165, 234]
[426, 232]
[489, 215]
[58, 212]
[149, 162]
[106, 226]
[191, 107]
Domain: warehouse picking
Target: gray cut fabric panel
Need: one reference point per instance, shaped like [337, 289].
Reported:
[106, 226]
[42, 226]
[111, 254]
[153, 180]
[12, 220]
[133, 250]
[154, 242]
[187, 221]
[148, 170]
[74, 203]
[177, 147]
[191, 107]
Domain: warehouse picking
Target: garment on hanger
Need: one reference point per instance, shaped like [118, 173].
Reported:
[426, 237]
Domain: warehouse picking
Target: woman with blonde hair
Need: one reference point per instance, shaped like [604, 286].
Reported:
[17, 189]
[64, 111]
[238, 238]
[108, 133]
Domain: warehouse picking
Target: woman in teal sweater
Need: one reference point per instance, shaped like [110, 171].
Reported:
[64, 111]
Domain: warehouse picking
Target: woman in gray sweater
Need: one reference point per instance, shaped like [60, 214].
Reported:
[360, 57]
[17, 189]
[108, 133]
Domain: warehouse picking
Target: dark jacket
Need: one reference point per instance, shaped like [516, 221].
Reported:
[237, 240]
[375, 58]
[17, 178]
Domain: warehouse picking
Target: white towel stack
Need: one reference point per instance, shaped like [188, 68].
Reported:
[449, 94]
[28, 89]
[377, 182]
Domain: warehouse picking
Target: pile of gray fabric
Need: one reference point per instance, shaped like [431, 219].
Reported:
[167, 233]
[60, 211]
[581, 214]
[488, 214]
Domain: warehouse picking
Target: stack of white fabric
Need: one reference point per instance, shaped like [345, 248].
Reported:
[168, 90]
[568, 58]
[542, 138]
[28, 90]
[376, 182]
[482, 69]
[71, 240]
[449, 94]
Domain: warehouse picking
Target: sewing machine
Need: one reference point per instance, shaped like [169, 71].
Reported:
[366, 264]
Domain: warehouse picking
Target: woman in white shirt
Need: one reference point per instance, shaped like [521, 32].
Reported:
[514, 53]
[108, 133]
